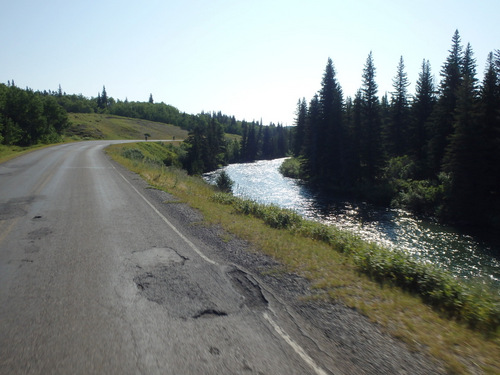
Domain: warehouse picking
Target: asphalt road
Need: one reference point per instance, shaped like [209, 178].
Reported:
[96, 279]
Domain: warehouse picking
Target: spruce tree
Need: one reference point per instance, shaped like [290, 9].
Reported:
[354, 131]
[460, 158]
[422, 108]
[312, 134]
[444, 114]
[300, 127]
[331, 127]
[488, 151]
[370, 137]
[397, 132]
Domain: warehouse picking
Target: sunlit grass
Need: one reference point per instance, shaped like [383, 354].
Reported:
[10, 152]
[105, 126]
[333, 272]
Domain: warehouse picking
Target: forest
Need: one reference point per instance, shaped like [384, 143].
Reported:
[28, 118]
[436, 152]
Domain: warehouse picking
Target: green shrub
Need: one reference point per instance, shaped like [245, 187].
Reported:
[133, 154]
[224, 182]
[291, 167]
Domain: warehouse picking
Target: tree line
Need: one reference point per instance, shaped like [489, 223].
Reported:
[435, 152]
[28, 118]
[208, 147]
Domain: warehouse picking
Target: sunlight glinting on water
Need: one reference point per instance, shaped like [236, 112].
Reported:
[425, 240]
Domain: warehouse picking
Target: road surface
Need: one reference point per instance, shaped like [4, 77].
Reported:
[98, 277]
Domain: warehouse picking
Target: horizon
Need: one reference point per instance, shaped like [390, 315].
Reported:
[252, 61]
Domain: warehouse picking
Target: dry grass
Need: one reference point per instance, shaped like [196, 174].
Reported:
[105, 126]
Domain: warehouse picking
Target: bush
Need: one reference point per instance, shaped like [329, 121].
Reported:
[224, 182]
[292, 168]
[421, 197]
[133, 154]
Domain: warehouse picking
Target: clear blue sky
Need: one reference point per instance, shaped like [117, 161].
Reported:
[252, 59]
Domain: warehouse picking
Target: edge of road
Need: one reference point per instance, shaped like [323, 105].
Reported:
[351, 336]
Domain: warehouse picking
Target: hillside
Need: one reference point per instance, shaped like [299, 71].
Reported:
[104, 126]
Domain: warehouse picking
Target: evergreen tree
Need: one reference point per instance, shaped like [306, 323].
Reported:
[488, 134]
[151, 101]
[330, 128]
[422, 107]
[460, 159]
[102, 99]
[397, 132]
[353, 153]
[300, 127]
[312, 134]
[370, 137]
[444, 115]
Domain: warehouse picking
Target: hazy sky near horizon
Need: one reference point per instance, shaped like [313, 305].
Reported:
[251, 59]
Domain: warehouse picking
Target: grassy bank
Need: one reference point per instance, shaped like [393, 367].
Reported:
[95, 126]
[10, 152]
[428, 309]
[103, 126]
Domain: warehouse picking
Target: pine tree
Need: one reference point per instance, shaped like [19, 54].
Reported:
[353, 153]
[422, 107]
[460, 159]
[370, 137]
[330, 128]
[488, 151]
[441, 127]
[311, 150]
[300, 127]
[151, 101]
[397, 133]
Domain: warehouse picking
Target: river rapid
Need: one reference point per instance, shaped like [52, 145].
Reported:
[463, 254]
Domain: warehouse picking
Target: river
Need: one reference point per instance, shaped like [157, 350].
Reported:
[463, 254]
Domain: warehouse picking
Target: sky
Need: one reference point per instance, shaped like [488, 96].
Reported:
[251, 59]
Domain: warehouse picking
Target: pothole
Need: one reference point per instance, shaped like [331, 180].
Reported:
[249, 288]
[209, 313]
[172, 286]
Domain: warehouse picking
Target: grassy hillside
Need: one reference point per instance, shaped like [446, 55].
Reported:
[103, 126]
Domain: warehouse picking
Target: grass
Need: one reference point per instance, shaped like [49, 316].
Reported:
[10, 152]
[340, 268]
[104, 126]
[93, 126]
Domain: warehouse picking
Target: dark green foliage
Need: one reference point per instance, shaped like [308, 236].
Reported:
[441, 126]
[396, 129]
[421, 110]
[300, 127]
[449, 137]
[371, 132]
[291, 167]
[263, 142]
[205, 146]
[28, 118]
[224, 182]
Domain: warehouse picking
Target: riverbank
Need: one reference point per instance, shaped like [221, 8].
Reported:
[334, 275]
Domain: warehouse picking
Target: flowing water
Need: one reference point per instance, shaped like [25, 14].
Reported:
[461, 253]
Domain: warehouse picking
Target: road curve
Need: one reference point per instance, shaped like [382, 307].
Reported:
[95, 279]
